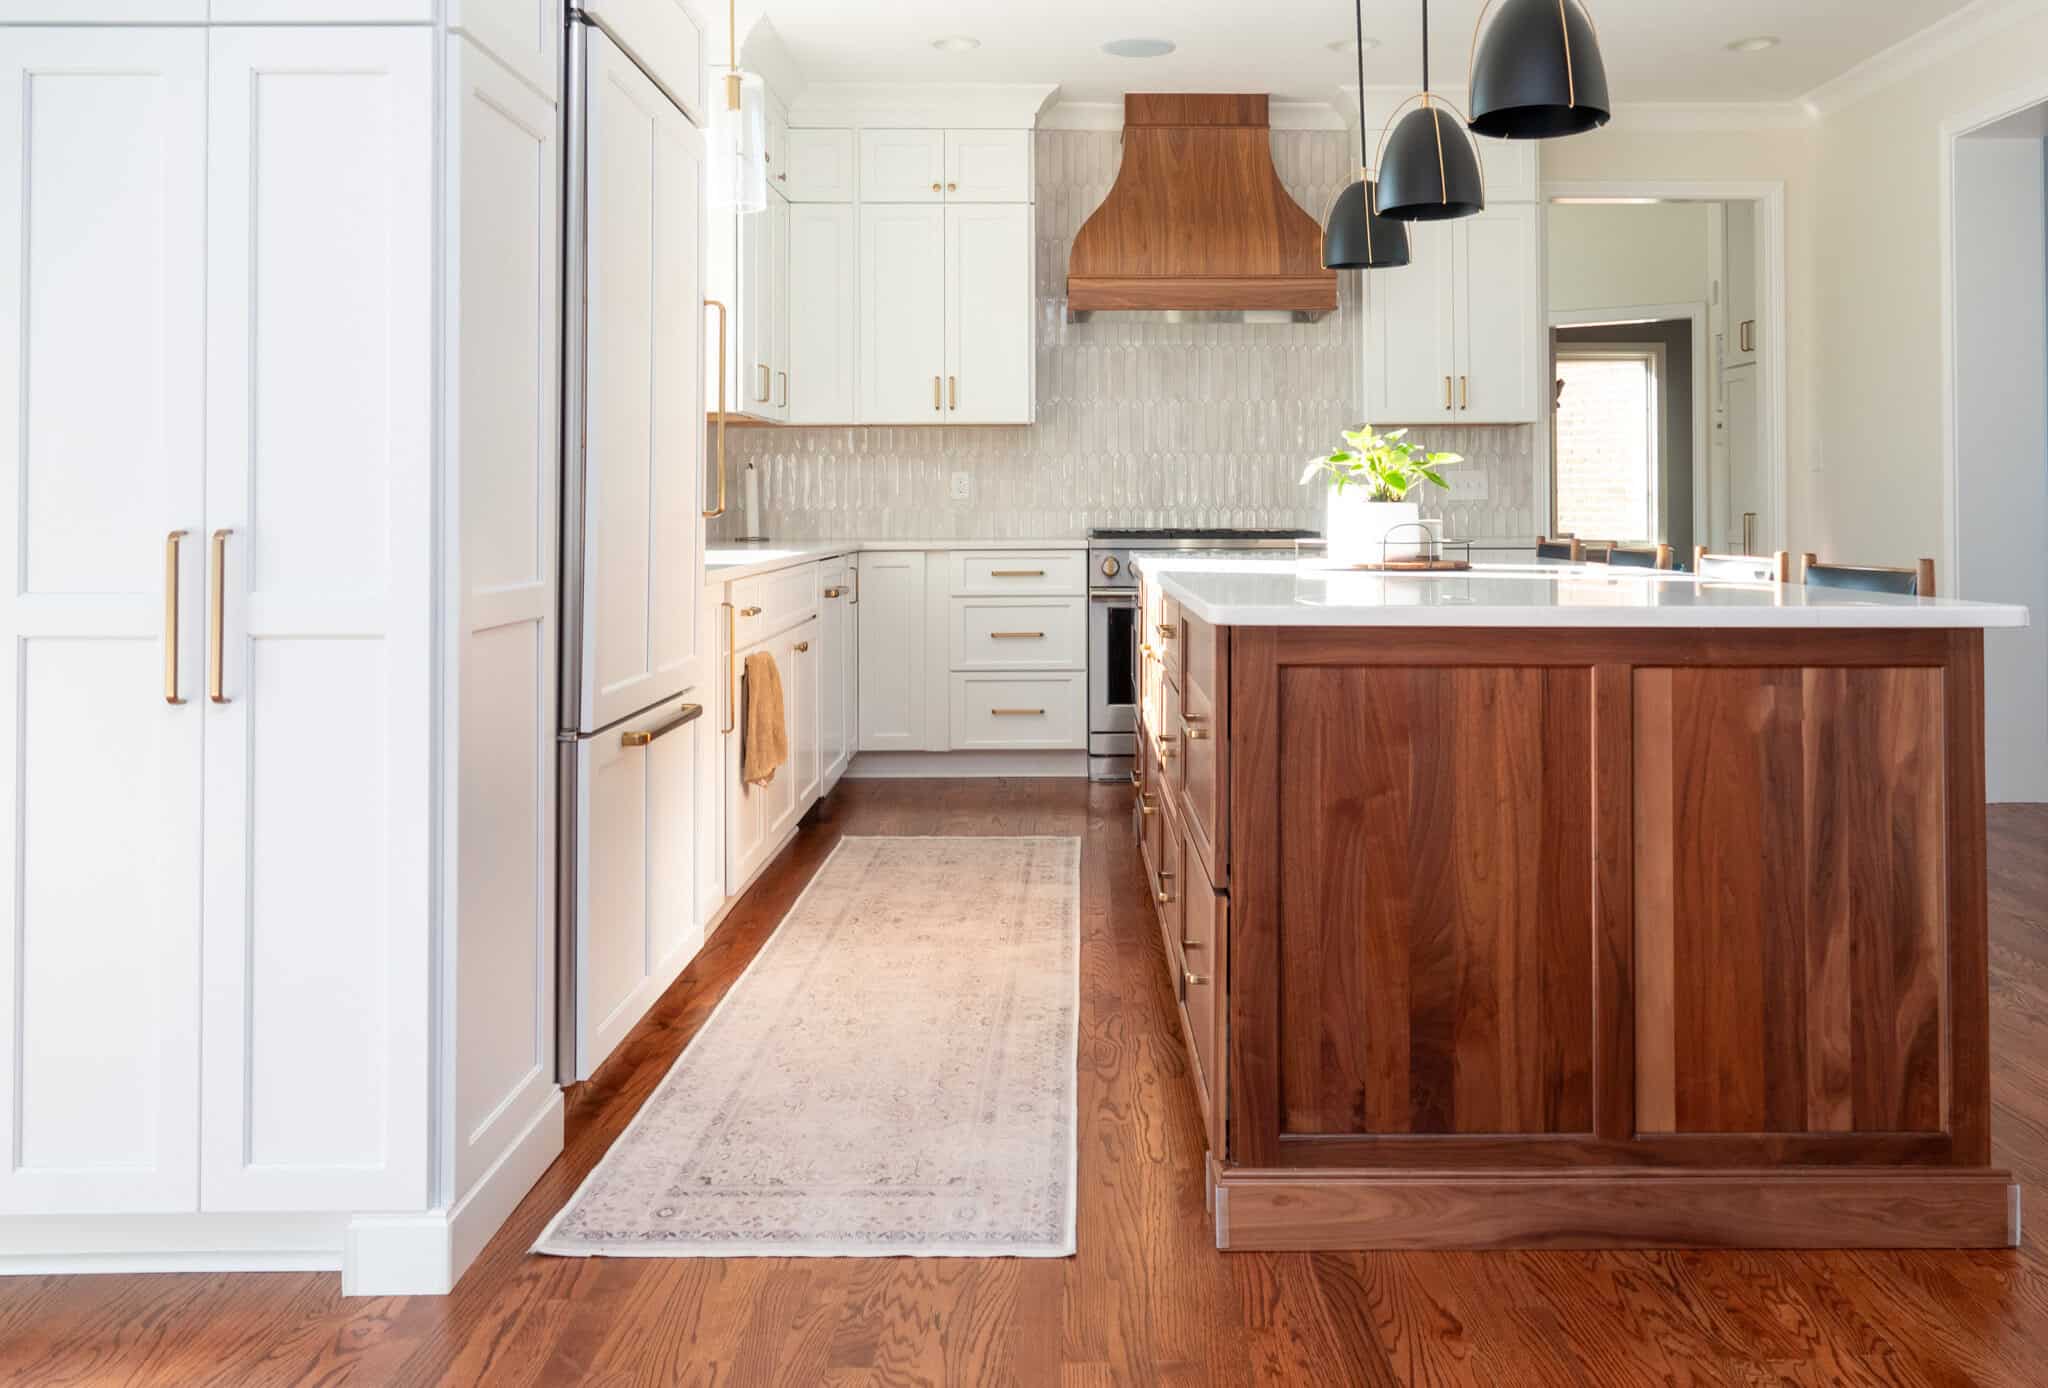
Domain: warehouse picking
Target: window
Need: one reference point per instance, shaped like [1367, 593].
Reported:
[1605, 454]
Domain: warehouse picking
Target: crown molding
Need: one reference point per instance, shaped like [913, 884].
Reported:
[1942, 39]
[1109, 115]
[922, 105]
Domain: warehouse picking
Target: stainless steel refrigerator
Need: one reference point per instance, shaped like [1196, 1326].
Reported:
[632, 529]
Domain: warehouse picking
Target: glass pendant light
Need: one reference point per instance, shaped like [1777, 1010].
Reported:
[1357, 237]
[1429, 171]
[1537, 72]
[738, 148]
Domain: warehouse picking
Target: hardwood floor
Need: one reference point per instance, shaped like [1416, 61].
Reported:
[1147, 1300]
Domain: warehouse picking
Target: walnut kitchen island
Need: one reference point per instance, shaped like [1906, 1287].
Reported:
[1554, 908]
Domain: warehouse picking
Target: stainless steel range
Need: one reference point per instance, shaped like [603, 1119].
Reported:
[1113, 629]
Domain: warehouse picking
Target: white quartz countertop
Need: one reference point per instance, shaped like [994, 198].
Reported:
[724, 562]
[1229, 591]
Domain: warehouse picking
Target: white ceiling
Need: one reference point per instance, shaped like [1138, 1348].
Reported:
[1656, 50]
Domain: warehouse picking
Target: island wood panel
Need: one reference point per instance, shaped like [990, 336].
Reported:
[1435, 900]
[1205, 720]
[1790, 900]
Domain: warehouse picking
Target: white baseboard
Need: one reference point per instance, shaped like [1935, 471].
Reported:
[878, 766]
[41, 1245]
[426, 1254]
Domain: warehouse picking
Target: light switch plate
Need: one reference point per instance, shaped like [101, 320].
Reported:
[1467, 483]
[963, 486]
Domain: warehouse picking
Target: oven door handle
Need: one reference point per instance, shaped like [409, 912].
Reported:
[1116, 599]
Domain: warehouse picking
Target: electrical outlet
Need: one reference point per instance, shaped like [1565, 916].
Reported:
[1467, 483]
[963, 486]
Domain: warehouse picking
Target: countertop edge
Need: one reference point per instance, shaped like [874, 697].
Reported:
[794, 552]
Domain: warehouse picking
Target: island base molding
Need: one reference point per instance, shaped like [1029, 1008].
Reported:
[1280, 1211]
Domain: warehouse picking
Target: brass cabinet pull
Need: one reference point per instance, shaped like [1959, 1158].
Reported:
[1190, 944]
[1145, 805]
[216, 645]
[935, 380]
[171, 543]
[732, 689]
[1464, 392]
[1193, 980]
[1166, 749]
[714, 515]
[762, 367]
[1016, 636]
[783, 377]
[750, 611]
[802, 647]
[1190, 727]
[834, 592]
[854, 574]
[1018, 712]
[1166, 631]
[935, 187]
[1749, 532]
[1016, 573]
[1165, 897]
[1137, 776]
[1447, 392]
[689, 713]
[952, 392]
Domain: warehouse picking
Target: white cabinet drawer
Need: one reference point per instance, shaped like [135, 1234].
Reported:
[767, 603]
[978, 573]
[1030, 712]
[1019, 633]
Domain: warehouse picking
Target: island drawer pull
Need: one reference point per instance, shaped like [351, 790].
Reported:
[1137, 776]
[1193, 944]
[1166, 631]
[1145, 805]
[1193, 980]
[1165, 897]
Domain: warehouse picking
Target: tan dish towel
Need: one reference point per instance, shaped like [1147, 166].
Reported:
[764, 742]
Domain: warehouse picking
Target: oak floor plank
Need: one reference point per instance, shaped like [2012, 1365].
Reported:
[1147, 1301]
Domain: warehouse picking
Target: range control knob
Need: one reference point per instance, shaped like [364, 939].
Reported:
[1110, 567]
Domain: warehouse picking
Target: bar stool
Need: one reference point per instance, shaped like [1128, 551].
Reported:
[1743, 568]
[1916, 582]
[1566, 550]
[1632, 557]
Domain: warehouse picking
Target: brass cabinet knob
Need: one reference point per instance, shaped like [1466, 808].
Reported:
[935, 187]
[802, 646]
[1193, 980]
[954, 188]
[750, 611]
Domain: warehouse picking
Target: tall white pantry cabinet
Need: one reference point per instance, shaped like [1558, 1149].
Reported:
[279, 336]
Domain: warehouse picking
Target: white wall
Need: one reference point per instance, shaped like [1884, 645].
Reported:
[1621, 257]
[2001, 254]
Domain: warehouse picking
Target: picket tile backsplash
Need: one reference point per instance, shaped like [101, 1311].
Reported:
[1139, 423]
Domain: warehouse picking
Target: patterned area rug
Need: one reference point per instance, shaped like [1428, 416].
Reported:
[893, 1075]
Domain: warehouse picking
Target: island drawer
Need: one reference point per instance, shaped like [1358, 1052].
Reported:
[1205, 744]
[1169, 890]
[1151, 814]
[1203, 935]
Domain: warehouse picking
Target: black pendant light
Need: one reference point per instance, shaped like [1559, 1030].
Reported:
[1537, 73]
[1357, 237]
[1429, 171]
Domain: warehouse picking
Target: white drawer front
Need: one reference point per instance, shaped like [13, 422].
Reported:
[1020, 712]
[978, 573]
[1020, 633]
[768, 603]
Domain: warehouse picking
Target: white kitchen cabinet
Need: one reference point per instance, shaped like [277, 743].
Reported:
[321, 11]
[636, 871]
[643, 451]
[759, 815]
[988, 166]
[1456, 336]
[102, 252]
[320, 505]
[1739, 283]
[902, 166]
[747, 270]
[775, 303]
[989, 306]
[837, 652]
[1501, 353]
[824, 311]
[709, 733]
[821, 166]
[775, 148]
[893, 674]
[524, 35]
[902, 314]
[1001, 711]
[802, 675]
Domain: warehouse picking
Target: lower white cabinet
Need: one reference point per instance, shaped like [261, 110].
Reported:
[840, 658]
[893, 676]
[1001, 711]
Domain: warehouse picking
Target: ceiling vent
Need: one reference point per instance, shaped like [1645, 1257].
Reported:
[1198, 224]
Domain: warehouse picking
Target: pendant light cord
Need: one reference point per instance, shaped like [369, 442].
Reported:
[1364, 161]
[1425, 46]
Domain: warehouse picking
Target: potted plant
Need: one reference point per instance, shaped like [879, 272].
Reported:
[1369, 479]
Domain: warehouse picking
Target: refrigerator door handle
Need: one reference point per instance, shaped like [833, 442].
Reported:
[714, 515]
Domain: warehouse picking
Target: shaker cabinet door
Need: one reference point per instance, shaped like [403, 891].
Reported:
[902, 314]
[988, 314]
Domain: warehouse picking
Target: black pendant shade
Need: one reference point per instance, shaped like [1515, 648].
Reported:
[1537, 73]
[1357, 238]
[1430, 172]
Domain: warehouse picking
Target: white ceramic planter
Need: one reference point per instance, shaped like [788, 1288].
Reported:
[1357, 527]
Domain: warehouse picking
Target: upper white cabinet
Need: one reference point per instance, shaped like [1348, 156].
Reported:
[903, 165]
[321, 11]
[902, 314]
[320, 529]
[1457, 335]
[102, 259]
[820, 166]
[988, 166]
[524, 35]
[824, 302]
[988, 314]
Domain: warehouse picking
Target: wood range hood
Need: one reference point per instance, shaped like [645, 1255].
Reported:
[1198, 222]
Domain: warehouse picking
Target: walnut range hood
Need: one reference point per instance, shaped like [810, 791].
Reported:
[1198, 223]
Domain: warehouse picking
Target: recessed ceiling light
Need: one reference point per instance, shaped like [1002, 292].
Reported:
[1351, 45]
[957, 43]
[1138, 48]
[1756, 43]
